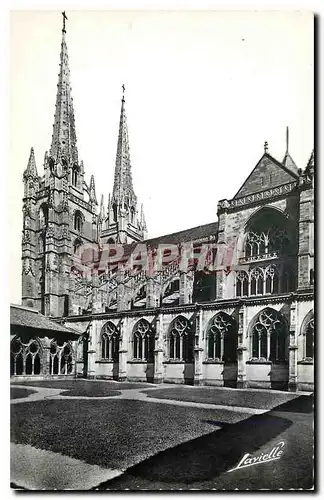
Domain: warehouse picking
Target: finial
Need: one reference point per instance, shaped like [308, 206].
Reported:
[123, 98]
[287, 139]
[265, 147]
[64, 18]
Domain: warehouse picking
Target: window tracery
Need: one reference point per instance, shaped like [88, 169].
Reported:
[269, 334]
[110, 342]
[61, 361]
[181, 340]
[143, 341]
[222, 339]
[25, 357]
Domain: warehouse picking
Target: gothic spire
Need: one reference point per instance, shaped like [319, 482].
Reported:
[31, 170]
[123, 183]
[92, 191]
[288, 162]
[102, 214]
[64, 135]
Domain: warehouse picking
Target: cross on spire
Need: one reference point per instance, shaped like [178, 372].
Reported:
[64, 18]
[265, 147]
[123, 87]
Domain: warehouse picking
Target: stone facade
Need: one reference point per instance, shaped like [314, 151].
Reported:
[243, 319]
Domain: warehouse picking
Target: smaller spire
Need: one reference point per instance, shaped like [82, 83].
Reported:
[143, 221]
[287, 140]
[287, 161]
[265, 147]
[31, 170]
[102, 209]
[92, 191]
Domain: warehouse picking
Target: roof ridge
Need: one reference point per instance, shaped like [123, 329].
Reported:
[25, 308]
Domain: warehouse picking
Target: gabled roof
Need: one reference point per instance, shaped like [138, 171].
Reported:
[198, 233]
[267, 165]
[30, 319]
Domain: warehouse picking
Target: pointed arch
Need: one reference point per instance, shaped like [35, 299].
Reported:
[256, 281]
[61, 357]
[221, 338]
[268, 332]
[307, 331]
[180, 337]
[109, 342]
[268, 231]
[78, 220]
[25, 358]
[143, 341]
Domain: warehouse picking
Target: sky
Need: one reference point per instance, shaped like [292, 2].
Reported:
[204, 91]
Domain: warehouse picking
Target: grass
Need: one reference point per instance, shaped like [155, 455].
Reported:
[212, 395]
[17, 392]
[77, 387]
[111, 433]
[89, 391]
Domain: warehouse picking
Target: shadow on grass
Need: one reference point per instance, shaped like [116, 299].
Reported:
[211, 455]
[17, 392]
[89, 393]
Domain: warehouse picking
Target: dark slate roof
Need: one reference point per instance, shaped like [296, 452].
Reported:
[289, 163]
[29, 318]
[198, 233]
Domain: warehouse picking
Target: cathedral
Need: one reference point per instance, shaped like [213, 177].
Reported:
[228, 303]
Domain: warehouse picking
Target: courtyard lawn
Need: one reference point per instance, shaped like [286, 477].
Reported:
[80, 387]
[112, 433]
[17, 392]
[220, 396]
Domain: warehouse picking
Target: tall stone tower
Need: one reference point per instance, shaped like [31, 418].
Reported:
[59, 209]
[123, 224]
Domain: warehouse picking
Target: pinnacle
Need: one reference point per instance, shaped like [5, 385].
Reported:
[92, 191]
[31, 169]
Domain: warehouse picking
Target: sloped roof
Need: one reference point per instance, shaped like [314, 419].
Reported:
[266, 165]
[26, 317]
[193, 234]
[289, 163]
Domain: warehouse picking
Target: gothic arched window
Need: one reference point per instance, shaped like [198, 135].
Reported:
[256, 281]
[25, 358]
[242, 284]
[268, 233]
[222, 338]
[181, 340]
[143, 341]
[271, 280]
[269, 334]
[61, 358]
[110, 342]
[309, 339]
[43, 216]
[74, 177]
[78, 221]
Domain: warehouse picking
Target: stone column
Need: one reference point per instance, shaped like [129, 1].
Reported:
[46, 360]
[122, 366]
[92, 351]
[158, 351]
[198, 350]
[120, 289]
[292, 381]
[241, 351]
